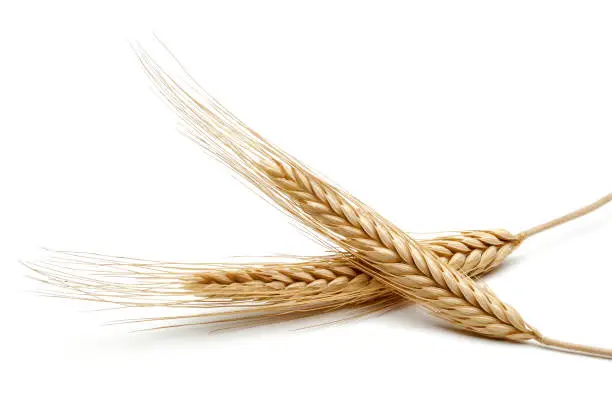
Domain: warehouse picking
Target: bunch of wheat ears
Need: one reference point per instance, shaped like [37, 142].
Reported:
[371, 265]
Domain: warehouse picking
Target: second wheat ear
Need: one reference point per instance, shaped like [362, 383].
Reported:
[268, 291]
[386, 252]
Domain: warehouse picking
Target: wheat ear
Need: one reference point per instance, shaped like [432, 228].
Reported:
[296, 289]
[388, 254]
[263, 292]
[392, 256]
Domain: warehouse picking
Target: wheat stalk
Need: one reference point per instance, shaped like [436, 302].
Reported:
[386, 253]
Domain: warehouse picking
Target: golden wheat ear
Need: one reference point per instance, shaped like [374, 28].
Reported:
[306, 284]
[264, 292]
[387, 253]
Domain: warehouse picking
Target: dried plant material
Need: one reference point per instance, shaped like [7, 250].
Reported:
[384, 251]
[374, 248]
[325, 284]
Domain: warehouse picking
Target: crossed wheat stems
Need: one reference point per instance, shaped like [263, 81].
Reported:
[372, 265]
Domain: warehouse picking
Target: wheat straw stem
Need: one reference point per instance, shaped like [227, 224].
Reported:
[563, 345]
[566, 218]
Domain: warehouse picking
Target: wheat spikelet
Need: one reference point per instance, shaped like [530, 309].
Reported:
[387, 253]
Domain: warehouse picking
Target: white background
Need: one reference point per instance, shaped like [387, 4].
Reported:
[442, 115]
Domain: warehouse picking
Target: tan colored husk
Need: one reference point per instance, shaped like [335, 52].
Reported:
[385, 252]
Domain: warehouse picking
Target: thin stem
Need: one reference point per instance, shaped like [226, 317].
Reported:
[579, 348]
[568, 217]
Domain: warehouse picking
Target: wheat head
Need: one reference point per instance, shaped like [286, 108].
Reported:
[259, 292]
